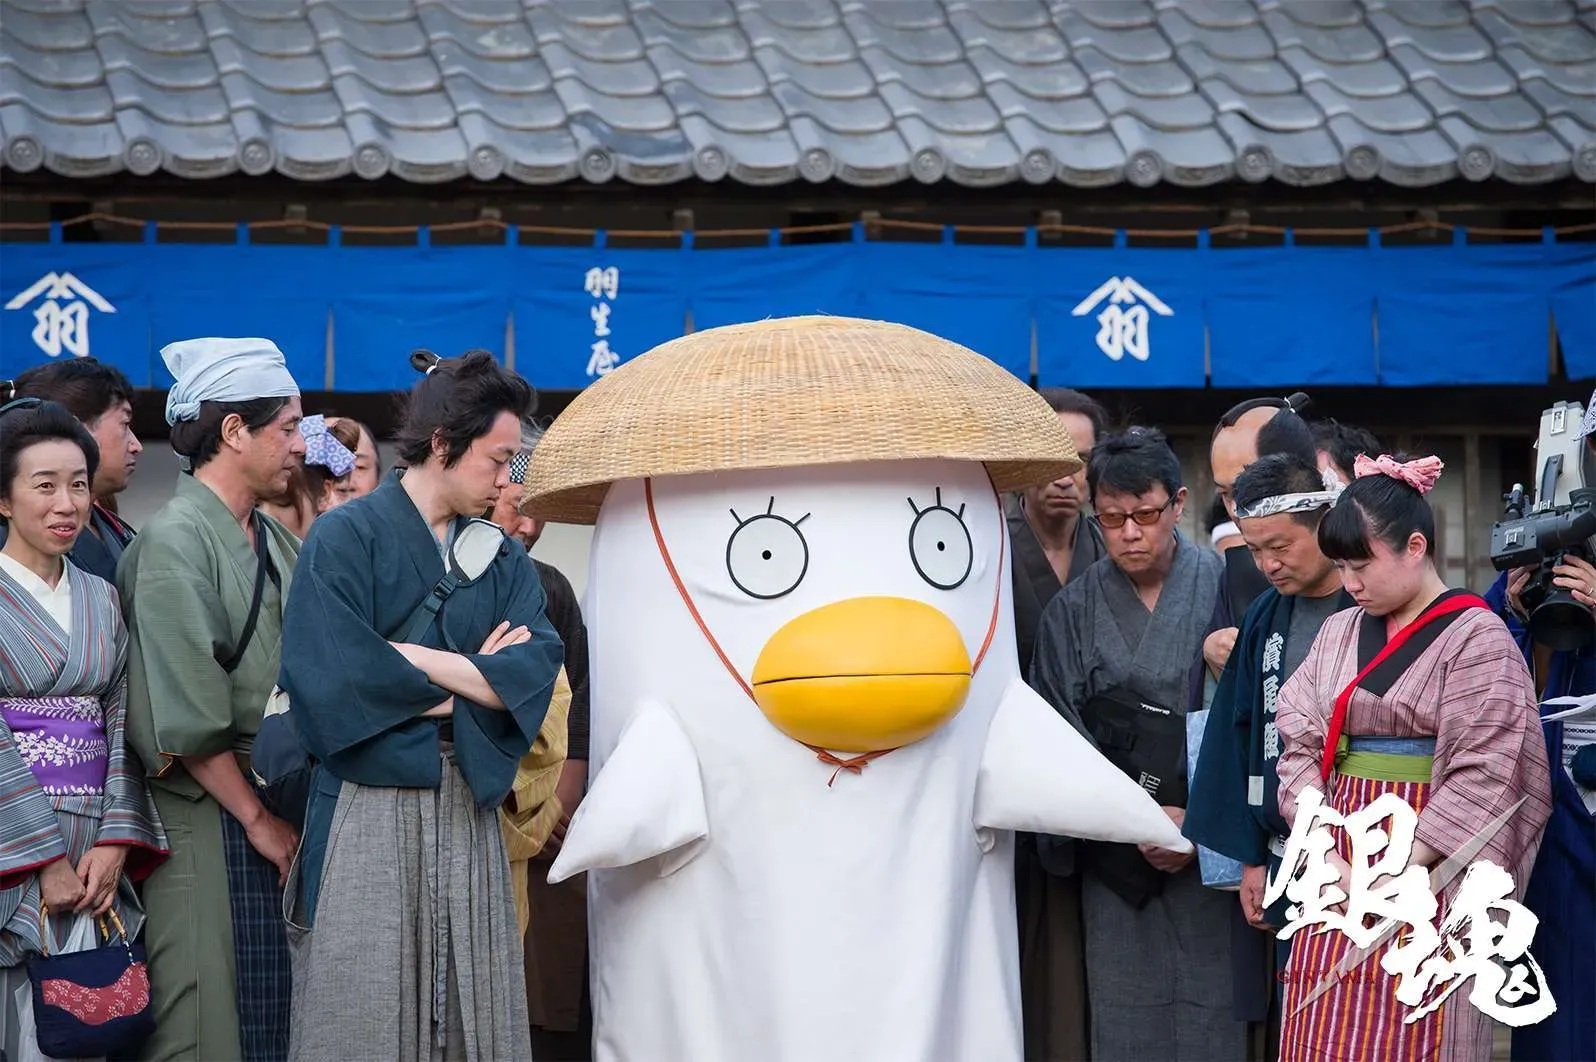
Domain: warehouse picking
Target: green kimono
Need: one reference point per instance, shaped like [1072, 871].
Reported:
[186, 584]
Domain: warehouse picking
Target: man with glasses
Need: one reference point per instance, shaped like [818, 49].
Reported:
[1157, 940]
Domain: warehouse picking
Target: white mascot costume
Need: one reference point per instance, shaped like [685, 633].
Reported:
[811, 739]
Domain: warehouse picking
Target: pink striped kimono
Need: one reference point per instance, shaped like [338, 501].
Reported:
[1472, 694]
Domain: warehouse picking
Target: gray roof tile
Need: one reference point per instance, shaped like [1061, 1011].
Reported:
[1361, 80]
[598, 41]
[1215, 14]
[1502, 114]
[759, 114]
[1046, 81]
[195, 71]
[1004, 14]
[710, 45]
[1031, 45]
[319, 109]
[521, 111]
[848, 80]
[693, 14]
[1166, 112]
[1109, 13]
[1078, 115]
[641, 114]
[380, 40]
[1144, 79]
[501, 75]
[413, 73]
[823, 44]
[1303, 158]
[943, 81]
[265, 36]
[182, 33]
[928, 45]
[794, 14]
[1249, 43]
[1483, 79]
[636, 78]
[75, 69]
[1434, 14]
[1267, 78]
[867, 114]
[205, 106]
[1128, 44]
[1328, 14]
[271, 10]
[1400, 113]
[1331, 44]
[1280, 113]
[1578, 79]
[57, 31]
[491, 40]
[761, 92]
[91, 103]
[735, 80]
[974, 115]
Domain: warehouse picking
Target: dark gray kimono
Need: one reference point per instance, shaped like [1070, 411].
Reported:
[1158, 978]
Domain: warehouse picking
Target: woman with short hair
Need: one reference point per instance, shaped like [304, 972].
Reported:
[1420, 692]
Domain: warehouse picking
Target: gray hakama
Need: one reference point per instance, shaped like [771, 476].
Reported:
[385, 933]
[1158, 979]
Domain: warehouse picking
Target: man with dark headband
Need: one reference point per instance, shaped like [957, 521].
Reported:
[1233, 808]
[1247, 431]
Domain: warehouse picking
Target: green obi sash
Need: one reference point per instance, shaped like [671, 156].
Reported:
[1386, 759]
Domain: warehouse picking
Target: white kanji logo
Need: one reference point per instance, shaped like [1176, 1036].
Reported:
[605, 282]
[1122, 324]
[61, 322]
[603, 359]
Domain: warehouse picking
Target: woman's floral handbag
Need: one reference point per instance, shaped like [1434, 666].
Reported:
[94, 1002]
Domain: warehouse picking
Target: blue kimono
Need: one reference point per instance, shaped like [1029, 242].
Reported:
[1233, 807]
[1562, 887]
[357, 702]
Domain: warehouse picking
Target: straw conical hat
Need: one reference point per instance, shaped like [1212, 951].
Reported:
[789, 392]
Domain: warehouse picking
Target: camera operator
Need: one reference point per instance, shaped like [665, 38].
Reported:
[1559, 890]
[1575, 575]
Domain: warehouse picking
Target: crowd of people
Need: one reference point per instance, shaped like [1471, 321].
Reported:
[434, 680]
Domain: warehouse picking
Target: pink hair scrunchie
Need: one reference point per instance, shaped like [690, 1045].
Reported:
[1420, 473]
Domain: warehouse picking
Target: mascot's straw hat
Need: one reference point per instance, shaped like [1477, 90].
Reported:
[788, 392]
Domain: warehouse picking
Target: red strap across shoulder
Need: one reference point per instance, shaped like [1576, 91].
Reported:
[1338, 719]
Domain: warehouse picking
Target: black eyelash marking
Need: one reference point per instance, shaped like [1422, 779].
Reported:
[770, 510]
[935, 505]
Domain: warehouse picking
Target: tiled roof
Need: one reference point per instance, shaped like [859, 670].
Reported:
[764, 92]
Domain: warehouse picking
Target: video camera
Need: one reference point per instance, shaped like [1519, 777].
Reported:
[1560, 523]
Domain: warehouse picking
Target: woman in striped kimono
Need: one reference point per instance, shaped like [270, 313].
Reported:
[77, 827]
[1421, 692]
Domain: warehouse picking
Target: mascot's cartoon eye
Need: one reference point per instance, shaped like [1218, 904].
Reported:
[767, 555]
[940, 545]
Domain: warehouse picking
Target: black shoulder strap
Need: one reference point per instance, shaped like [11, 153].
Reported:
[1371, 639]
[263, 565]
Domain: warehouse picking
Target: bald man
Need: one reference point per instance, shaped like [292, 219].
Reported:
[1245, 433]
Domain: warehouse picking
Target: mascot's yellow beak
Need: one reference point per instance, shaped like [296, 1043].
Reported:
[863, 675]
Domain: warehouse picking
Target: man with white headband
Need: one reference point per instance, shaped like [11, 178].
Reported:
[1279, 501]
[203, 587]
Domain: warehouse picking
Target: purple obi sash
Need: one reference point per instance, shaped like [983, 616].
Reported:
[62, 741]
